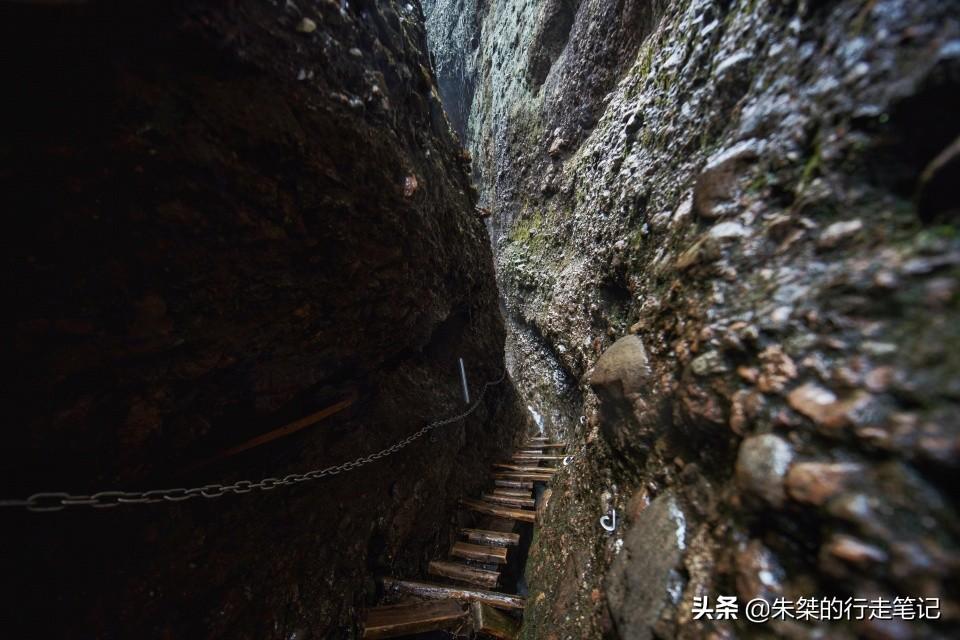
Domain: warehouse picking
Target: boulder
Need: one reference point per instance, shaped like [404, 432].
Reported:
[622, 370]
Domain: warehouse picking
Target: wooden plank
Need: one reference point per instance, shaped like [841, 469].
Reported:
[517, 484]
[515, 493]
[525, 469]
[497, 538]
[529, 477]
[527, 450]
[281, 432]
[503, 473]
[535, 456]
[489, 621]
[403, 619]
[479, 552]
[512, 501]
[441, 592]
[503, 525]
[499, 511]
[464, 573]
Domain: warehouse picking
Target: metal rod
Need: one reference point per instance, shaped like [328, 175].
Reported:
[463, 379]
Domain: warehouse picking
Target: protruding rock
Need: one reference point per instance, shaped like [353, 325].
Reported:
[556, 147]
[759, 574]
[732, 74]
[705, 249]
[728, 230]
[744, 407]
[544, 504]
[306, 25]
[638, 582]
[853, 551]
[824, 407]
[839, 232]
[816, 482]
[708, 363]
[410, 186]
[762, 463]
[622, 369]
[778, 369]
[716, 184]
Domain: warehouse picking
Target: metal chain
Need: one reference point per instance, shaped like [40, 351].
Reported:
[57, 501]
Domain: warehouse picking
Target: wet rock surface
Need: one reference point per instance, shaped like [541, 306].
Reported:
[748, 188]
[641, 578]
[227, 216]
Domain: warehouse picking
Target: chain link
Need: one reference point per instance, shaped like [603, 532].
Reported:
[57, 501]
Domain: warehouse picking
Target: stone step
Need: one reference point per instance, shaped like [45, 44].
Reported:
[495, 538]
[512, 501]
[397, 620]
[441, 592]
[464, 573]
[479, 552]
[498, 510]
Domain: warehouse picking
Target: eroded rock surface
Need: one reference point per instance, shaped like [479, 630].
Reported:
[643, 579]
[756, 191]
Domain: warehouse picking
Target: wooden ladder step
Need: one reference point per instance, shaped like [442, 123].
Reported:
[528, 477]
[496, 538]
[516, 484]
[512, 501]
[499, 511]
[515, 493]
[464, 573]
[525, 469]
[489, 621]
[535, 456]
[442, 592]
[479, 552]
[404, 619]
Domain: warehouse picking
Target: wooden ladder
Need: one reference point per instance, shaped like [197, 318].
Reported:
[475, 562]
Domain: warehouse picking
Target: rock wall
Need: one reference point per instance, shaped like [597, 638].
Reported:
[728, 250]
[223, 217]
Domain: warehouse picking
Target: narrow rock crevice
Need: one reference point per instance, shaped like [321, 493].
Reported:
[694, 262]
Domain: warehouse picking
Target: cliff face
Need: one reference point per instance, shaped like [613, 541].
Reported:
[223, 217]
[726, 240]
